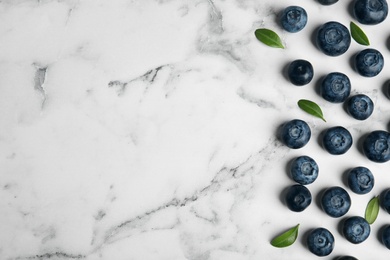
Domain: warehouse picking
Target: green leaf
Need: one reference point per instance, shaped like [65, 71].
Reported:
[372, 210]
[311, 108]
[269, 37]
[287, 238]
[358, 35]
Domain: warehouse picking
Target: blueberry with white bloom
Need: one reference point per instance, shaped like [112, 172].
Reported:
[320, 242]
[370, 12]
[295, 133]
[304, 170]
[360, 180]
[356, 229]
[376, 146]
[360, 106]
[335, 201]
[294, 19]
[337, 140]
[327, 2]
[369, 62]
[335, 87]
[333, 38]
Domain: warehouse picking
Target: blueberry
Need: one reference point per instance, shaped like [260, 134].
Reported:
[320, 242]
[335, 201]
[385, 236]
[304, 170]
[335, 87]
[385, 200]
[360, 180]
[327, 2]
[356, 229]
[295, 133]
[376, 146]
[370, 12]
[369, 62]
[298, 198]
[300, 72]
[333, 38]
[337, 140]
[294, 19]
[360, 106]
[346, 257]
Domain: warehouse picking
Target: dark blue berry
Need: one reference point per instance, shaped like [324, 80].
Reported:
[327, 2]
[360, 180]
[295, 133]
[360, 106]
[385, 236]
[335, 201]
[346, 257]
[337, 140]
[333, 38]
[335, 87]
[300, 72]
[298, 198]
[369, 62]
[320, 242]
[294, 19]
[385, 200]
[376, 146]
[370, 12]
[304, 170]
[356, 229]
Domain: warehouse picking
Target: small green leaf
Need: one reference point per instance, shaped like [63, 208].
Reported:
[358, 35]
[372, 210]
[287, 238]
[269, 37]
[311, 108]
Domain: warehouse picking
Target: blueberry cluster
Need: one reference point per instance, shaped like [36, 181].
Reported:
[334, 39]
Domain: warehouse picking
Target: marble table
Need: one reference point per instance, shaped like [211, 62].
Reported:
[147, 130]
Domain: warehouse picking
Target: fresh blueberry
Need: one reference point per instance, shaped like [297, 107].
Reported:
[294, 19]
[335, 87]
[304, 170]
[386, 236]
[327, 2]
[385, 200]
[295, 133]
[356, 229]
[360, 106]
[360, 180]
[300, 72]
[346, 257]
[337, 140]
[298, 198]
[376, 146]
[335, 201]
[369, 62]
[370, 12]
[333, 38]
[320, 242]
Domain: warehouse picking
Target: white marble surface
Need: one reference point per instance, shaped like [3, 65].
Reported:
[146, 130]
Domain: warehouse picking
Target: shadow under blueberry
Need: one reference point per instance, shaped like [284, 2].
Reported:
[282, 196]
[350, 8]
[319, 197]
[388, 43]
[344, 177]
[386, 88]
[317, 85]
[320, 137]
[313, 37]
[288, 168]
[380, 232]
[340, 225]
[304, 237]
[278, 17]
[285, 71]
[360, 142]
[352, 61]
